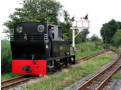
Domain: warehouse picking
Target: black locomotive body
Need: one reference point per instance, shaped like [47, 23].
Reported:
[30, 49]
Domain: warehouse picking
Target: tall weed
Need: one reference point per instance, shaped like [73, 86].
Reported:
[87, 46]
[6, 56]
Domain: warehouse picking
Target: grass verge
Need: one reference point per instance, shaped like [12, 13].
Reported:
[8, 76]
[117, 76]
[72, 75]
[83, 54]
[85, 49]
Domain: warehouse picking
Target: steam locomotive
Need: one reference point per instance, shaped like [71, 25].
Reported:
[30, 49]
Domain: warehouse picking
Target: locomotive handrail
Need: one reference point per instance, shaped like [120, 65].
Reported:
[30, 37]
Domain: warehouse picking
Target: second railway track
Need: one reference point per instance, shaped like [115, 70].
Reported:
[98, 81]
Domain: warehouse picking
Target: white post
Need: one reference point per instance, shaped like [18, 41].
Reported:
[73, 37]
[88, 23]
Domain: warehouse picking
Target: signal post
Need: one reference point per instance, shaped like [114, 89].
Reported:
[78, 25]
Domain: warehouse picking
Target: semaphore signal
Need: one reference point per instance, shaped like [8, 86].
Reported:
[78, 25]
[71, 20]
[86, 17]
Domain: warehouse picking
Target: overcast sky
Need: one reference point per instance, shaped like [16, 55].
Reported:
[99, 11]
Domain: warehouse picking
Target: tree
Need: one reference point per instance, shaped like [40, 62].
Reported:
[67, 32]
[82, 37]
[116, 40]
[108, 30]
[98, 42]
[95, 38]
[119, 24]
[34, 10]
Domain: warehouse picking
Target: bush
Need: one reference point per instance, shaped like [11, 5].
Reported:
[98, 44]
[113, 47]
[116, 40]
[6, 56]
[95, 38]
[87, 46]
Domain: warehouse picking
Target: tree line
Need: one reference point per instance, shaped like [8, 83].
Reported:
[111, 33]
[50, 11]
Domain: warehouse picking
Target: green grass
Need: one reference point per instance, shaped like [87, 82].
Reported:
[8, 76]
[117, 76]
[86, 53]
[6, 57]
[72, 75]
[115, 48]
[119, 49]
[85, 49]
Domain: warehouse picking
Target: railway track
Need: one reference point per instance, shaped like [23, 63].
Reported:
[86, 58]
[98, 81]
[22, 79]
[118, 52]
[15, 81]
[91, 56]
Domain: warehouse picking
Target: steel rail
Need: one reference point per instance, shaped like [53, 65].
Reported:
[86, 58]
[10, 80]
[107, 79]
[90, 56]
[15, 83]
[118, 52]
[96, 76]
[115, 51]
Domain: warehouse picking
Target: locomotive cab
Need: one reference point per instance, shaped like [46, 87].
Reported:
[30, 48]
